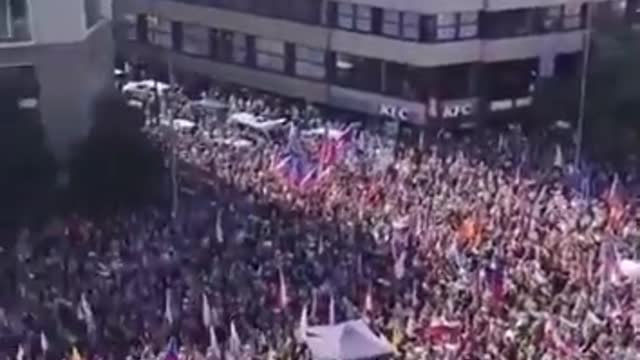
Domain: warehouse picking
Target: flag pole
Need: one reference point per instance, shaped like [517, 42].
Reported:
[583, 86]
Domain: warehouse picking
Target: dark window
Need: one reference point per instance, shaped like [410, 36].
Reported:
[506, 80]
[222, 42]
[270, 54]
[354, 17]
[195, 39]
[398, 24]
[453, 81]
[551, 18]
[129, 27]
[239, 48]
[14, 21]
[159, 32]
[92, 12]
[310, 62]
[572, 16]
[358, 72]
[508, 23]
[398, 80]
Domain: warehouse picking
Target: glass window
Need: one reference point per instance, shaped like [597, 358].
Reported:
[195, 39]
[14, 20]
[239, 48]
[92, 12]
[270, 54]
[310, 62]
[159, 31]
[346, 16]
[572, 16]
[552, 16]
[446, 33]
[363, 18]
[446, 19]
[469, 17]
[358, 72]
[510, 23]
[391, 22]
[5, 19]
[130, 22]
[410, 26]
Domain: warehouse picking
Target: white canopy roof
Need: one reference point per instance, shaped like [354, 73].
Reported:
[252, 121]
[350, 340]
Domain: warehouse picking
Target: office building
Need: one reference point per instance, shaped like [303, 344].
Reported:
[56, 56]
[424, 62]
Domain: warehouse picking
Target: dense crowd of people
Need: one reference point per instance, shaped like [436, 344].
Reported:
[457, 248]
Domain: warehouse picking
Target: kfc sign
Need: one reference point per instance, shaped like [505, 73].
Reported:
[394, 112]
[458, 108]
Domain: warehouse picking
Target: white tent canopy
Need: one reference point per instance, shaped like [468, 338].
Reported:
[257, 123]
[350, 340]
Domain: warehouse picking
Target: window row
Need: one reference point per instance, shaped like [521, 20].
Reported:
[450, 26]
[14, 20]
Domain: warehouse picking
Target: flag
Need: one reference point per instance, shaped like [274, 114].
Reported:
[558, 159]
[206, 311]
[214, 348]
[172, 350]
[235, 345]
[304, 325]
[332, 310]
[284, 299]
[615, 204]
[75, 355]
[495, 281]
[314, 303]
[44, 344]
[399, 266]
[219, 233]
[309, 179]
[442, 331]
[20, 353]
[168, 311]
[88, 314]
[368, 301]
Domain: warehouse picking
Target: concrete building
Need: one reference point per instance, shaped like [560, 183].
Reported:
[57, 56]
[423, 62]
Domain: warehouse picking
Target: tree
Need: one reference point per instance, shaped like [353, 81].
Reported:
[611, 131]
[117, 166]
[27, 167]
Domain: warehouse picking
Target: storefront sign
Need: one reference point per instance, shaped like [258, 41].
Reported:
[394, 112]
[452, 109]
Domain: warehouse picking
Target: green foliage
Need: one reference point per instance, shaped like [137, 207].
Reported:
[117, 166]
[27, 167]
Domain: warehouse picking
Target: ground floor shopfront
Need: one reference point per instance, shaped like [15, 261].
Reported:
[444, 97]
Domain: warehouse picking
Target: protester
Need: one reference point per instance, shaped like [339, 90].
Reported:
[468, 248]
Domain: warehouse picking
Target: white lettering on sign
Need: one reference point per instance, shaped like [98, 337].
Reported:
[457, 110]
[394, 112]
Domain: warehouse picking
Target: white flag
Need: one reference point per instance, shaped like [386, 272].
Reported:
[214, 348]
[206, 311]
[399, 268]
[88, 313]
[304, 325]
[219, 233]
[332, 310]
[558, 160]
[368, 301]
[284, 299]
[168, 311]
[44, 344]
[20, 353]
[235, 345]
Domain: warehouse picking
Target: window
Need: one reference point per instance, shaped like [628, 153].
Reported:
[346, 14]
[509, 23]
[468, 25]
[270, 54]
[354, 17]
[398, 78]
[310, 62]
[159, 31]
[552, 17]
[363, 18]
[358, 72]
[92, 12]
[195, 39]
[572, 16]
[14, 21]
[239, 48]
[130, 26]
[402, 25]
[450, 26]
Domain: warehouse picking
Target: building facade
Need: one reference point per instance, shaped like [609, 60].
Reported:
[435, 62]
[57, 56]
